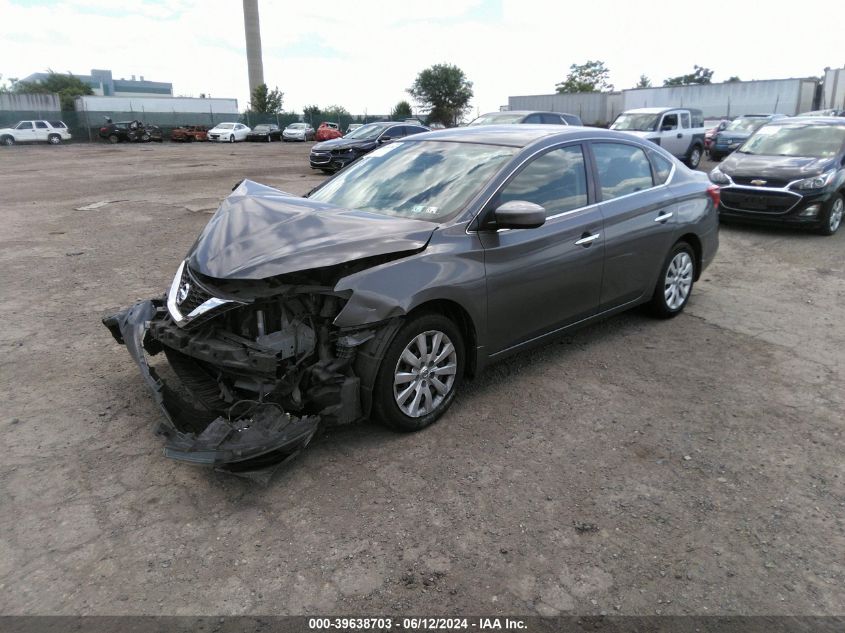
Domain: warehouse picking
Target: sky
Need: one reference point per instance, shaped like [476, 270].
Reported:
[363, 55]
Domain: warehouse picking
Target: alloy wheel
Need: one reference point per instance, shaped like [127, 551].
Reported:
[425, 373]
[836, 215]
[678, 281]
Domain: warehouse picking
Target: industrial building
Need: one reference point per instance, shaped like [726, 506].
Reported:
[103, 84]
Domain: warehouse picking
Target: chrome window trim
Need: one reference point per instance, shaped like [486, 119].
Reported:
[595, 204]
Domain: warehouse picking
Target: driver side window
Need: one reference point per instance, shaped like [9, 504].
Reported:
[670, 122]
[556, 180]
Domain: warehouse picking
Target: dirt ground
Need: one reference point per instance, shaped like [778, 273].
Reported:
[690, 466]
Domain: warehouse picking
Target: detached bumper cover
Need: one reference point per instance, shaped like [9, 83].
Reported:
[240, 442]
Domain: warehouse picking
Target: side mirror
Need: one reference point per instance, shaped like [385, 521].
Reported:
[385, 139]
[519, 214]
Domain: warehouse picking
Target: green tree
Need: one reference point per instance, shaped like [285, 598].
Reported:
[699, 75]
[443, 92]
[312, 114]
[733, 79]
[66, 86]
[401, 111]
[644, 82]
[591, 76]
[266, 101]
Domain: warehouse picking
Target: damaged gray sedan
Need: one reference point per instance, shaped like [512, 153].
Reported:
[417, 265]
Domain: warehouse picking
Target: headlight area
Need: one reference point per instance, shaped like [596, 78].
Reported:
[815, 183]
[718, 177]
[254, 382]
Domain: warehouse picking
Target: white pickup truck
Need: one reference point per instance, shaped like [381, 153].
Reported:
[680, 131]
[53, 132]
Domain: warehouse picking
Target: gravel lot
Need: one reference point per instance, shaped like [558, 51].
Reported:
[692, 466]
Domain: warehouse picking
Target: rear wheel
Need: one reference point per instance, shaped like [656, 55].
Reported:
[54, 139]
[674, 286]
[420, 373]
[113, 138]
[694, 157]
[832, 216]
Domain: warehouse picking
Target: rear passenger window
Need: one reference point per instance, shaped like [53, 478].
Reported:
[41, 125]
[557, 181]
[551, 119]
[622, 169]
[685, 120]
[662, 168]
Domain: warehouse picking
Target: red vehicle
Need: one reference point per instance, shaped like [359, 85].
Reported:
[189, 133]
[712, 131]
[328, 131]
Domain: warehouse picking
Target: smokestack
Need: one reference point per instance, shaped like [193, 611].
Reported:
[252, 30]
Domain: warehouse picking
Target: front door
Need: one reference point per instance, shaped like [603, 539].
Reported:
[542, 279]
[673, 138]
[24, 132]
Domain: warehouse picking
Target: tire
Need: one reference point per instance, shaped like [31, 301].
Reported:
[54, 139]
[832, 215]
[327, 171]
[431, 386]
[231, 138]
[674, 285]
[145, 138]
[8, 140]
[113, 139]
[694, 158]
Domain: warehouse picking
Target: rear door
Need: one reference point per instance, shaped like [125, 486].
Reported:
[42, 130]
[639, 220]
[540, 280]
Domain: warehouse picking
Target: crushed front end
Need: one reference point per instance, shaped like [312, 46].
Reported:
[260, 366]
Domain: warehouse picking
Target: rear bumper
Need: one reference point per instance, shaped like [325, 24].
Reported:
[239, 444]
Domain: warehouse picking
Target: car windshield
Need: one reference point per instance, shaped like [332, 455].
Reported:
[636, 122]
[296, 126]
[365, 132]
[429, 180]
[497, 118]
[795, 139]
[225, 126]
[746, 124]
[261, 128]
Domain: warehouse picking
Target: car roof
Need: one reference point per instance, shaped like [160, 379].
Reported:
[518, 135]
[659, 110]
[814, 120]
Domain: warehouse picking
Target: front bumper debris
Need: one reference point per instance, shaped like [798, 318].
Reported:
[247, 440]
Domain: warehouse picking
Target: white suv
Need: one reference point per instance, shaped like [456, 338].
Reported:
[53, 132]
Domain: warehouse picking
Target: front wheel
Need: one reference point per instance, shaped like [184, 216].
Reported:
[832, 216]
[674, 286]
[420, 373]
[8, 140]
[694, 157]
[231, 138]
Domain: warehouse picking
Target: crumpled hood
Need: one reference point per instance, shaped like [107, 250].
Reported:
[260, 232]
[782, 167]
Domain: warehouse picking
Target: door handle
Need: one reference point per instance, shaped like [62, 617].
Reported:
[663, 217]
[587, 239]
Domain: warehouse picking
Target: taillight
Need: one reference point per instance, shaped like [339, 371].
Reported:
[715, 196]
[103, 129]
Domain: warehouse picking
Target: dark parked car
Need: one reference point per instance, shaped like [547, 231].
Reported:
[420, 264]
[523, 116]
[265, 132]
[789, 172]
[737, 132]
[189, 133]
[335, 154]
[713, 128]
[130, 132]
